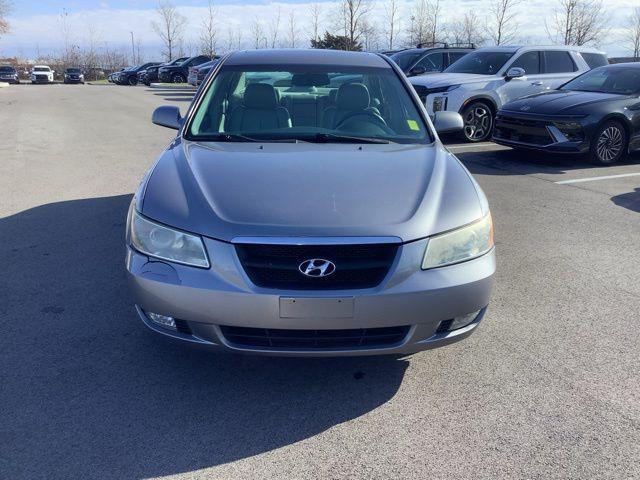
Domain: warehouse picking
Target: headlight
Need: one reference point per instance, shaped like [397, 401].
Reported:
[166, 243]
[459, 245]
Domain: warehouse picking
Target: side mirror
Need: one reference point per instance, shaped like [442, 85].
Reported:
[417, 71]
[167, 116]
[515, 72]
[448, 122]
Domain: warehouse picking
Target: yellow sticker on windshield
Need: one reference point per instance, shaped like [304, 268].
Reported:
[413, 125]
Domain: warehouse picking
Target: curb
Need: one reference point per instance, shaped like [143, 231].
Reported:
[3, 84]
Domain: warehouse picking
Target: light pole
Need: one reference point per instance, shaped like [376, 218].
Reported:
[133, 50]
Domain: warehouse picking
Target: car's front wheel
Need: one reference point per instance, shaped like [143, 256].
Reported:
[478, 122]
[133, 81]
[609, 144]
[177, 78]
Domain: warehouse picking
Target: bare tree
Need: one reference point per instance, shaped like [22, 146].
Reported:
[467, 30]
[234, 38]
[425, 22]
[5, 9]
[209, 31]
[316, 11]
[578, 22]
[352, 13]
[257, 33]
[274, 29]
[502, 27]
[391, 12]
[292, 30]
[170, 28]
[370, 38]
[632, 32]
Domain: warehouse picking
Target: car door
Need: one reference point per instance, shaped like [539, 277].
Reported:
[532, 82]
[558, 67]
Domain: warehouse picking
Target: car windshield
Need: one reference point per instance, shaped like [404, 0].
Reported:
[327, 104]
[406, 58]
[616, 80]
[480, 63]
[7, 69]
[41, 69]
[73, 70]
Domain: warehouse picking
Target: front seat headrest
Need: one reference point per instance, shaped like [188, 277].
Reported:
[353, 96]
[260, 95]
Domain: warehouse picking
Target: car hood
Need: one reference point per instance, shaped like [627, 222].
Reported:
[558, 102]
[436, 80]
[227, 190]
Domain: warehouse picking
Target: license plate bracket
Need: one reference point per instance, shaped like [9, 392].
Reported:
[316, 307]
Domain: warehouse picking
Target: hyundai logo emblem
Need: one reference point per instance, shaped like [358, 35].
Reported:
[317, 267]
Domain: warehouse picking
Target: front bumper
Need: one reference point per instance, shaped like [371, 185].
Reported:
[538, 132]
[223, 295]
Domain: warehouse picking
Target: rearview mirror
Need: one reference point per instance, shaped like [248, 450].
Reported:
[448, 122]
[167, 116]
[515, 72]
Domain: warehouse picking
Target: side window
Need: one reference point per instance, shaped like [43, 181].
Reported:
[594, 59]
[454, 56]
[559, 62]
[529, 61]
[432, 62]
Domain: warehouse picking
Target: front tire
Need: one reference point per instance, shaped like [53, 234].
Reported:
[478, 122]
[609, 144]
[133, 81]
[177, 78]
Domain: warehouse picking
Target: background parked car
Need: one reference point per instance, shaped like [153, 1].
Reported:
[129, 76]
[595, 113]
[419, 60]
[478, 84]
[42, 74]
[9, 74]
[199, 72]
[178, 73]
[150, 75]
[73, 75]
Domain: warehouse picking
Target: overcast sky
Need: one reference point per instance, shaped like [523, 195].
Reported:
[35, 24]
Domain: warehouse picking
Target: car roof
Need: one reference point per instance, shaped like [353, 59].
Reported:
[517, 48]
[635, 65]
[310, 56]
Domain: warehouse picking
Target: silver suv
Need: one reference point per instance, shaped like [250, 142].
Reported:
[478, 84]
[307, 207]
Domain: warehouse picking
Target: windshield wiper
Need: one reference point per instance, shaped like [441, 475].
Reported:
[334, 137]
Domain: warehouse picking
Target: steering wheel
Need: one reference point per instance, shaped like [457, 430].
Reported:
[369, 115]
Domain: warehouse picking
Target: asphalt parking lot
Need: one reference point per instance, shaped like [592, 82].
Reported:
[546, 388]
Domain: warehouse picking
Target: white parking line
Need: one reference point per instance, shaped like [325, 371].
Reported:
[593, 179]
[473, 145]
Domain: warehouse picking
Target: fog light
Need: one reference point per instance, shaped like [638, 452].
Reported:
[463, 320]
[162, 320]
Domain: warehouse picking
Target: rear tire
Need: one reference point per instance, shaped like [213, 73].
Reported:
[609, 144]
[478, 122]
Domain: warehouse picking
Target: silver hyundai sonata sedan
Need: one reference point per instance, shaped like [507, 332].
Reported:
[307, 207]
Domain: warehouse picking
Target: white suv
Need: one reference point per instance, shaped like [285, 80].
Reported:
[478, 84]
[41, 74]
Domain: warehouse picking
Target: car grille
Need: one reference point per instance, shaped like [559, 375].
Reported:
[356, 265]
[522, 130]
[314, 339]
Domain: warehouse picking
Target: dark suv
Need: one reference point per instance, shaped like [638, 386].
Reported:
[421, 60]
[129, 76]
[150, 75]
[178, 73]
[9, 74]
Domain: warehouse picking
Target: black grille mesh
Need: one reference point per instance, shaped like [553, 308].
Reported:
[277, 266]
[314, 339]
